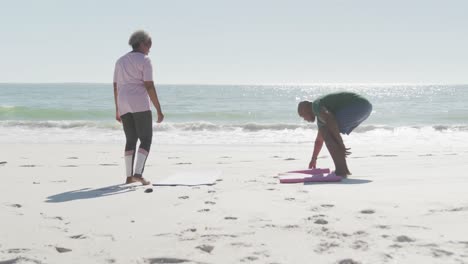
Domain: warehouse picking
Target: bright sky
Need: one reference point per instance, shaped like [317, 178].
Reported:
[239, 41]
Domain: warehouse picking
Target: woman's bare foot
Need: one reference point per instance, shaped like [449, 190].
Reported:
[130, 179]
[139, 178]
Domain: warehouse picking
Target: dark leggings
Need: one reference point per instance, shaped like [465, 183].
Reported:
[138, 126]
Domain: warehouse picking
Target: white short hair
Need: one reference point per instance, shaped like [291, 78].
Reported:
[138, 37]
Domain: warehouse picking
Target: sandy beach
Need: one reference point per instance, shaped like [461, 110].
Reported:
[233, 95]
[64, 203]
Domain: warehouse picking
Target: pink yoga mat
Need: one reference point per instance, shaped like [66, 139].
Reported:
[312, 171]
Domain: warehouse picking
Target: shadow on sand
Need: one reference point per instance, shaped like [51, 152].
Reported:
[88, 193]
[344, 181]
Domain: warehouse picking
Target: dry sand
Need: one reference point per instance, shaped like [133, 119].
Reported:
[64, 203]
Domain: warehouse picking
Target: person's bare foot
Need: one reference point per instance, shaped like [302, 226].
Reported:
[130, 179]
[139, 178]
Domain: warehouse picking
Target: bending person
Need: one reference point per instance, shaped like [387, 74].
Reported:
[335, 113]
[133, 90]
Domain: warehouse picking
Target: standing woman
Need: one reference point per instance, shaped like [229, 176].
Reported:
[133, 91]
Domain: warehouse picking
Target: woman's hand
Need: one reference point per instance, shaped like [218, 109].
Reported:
[160, 117]
[117, 117]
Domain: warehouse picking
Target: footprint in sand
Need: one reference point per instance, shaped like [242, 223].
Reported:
[249, 259]
[321, 222]
[173, 157]
[240, 244]
[69, 166]
[165, 260]
[315, 216]
[383, 226]
[16, 205]
[348, 261]
[290, 159]
[404, 239]
[367, 211]
[3, 163]
[336, 235]
[418, 227]
[360, 233]
[225, 157]
[108, 164]
[456, 209]
[325, 246]
[230, 218]
[203, 210]
[263, 253]
[315, 209]
[29, 166]
[437, 253]
[462, 242]
[205, 248]
[359, 244]
[184, 197]
[72, 158]
[20, 260]
[62, 249]
[210, 202]
[291, 226]
[327, 205]
[81, 236]
[395, 246]
[184, 163]
[290, 199]
[17, 250]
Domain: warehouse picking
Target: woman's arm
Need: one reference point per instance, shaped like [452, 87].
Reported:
[149, 85]
[117, 116]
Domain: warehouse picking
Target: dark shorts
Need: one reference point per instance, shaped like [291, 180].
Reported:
[351, 116]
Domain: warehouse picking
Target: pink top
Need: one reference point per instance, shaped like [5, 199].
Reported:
[131, 71]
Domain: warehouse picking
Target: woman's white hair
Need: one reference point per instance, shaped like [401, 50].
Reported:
[138, 37]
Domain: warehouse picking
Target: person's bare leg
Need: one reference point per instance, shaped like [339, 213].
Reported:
[337, 154]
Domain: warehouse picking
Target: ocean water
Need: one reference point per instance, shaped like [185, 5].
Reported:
[230, 114]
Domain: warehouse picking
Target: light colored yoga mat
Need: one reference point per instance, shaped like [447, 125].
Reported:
[300, 177]
[189, 178]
